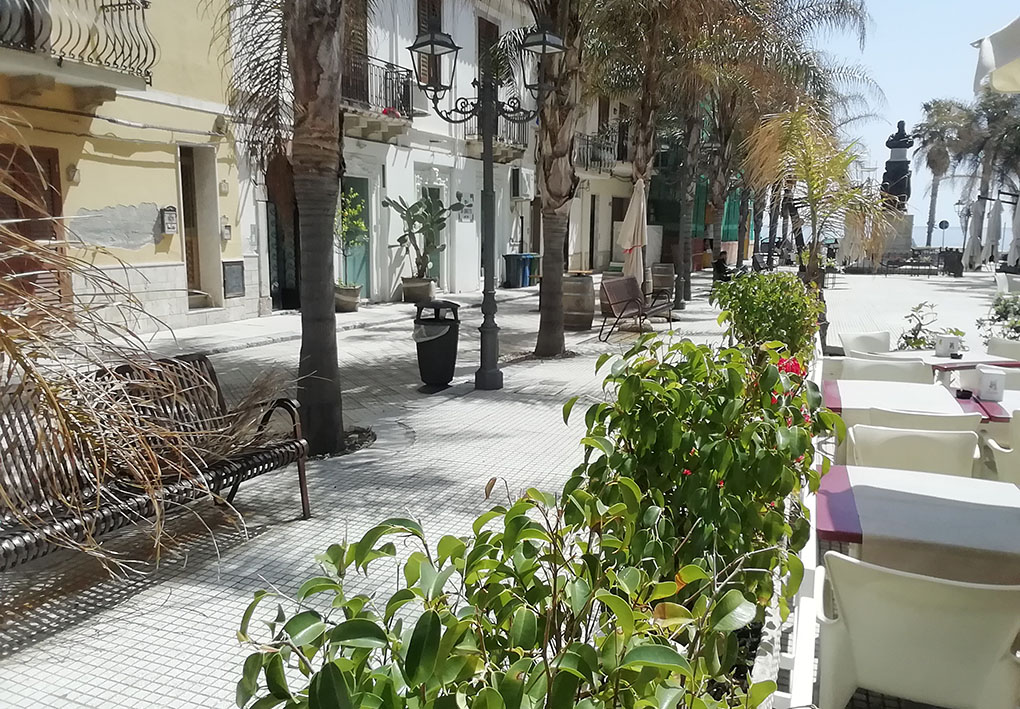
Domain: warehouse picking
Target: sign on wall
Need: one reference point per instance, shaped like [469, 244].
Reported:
[168, 215]
[467, 214]
[233, 279]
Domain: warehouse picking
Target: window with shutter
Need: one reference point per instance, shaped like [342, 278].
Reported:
[430, 18]
[488, 37]
[38, 200]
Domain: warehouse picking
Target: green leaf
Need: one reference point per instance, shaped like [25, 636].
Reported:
[524, 628]
[420, 662]
[568, 407]
[731, 612]
[692, 573]
[759, 692]
[511, 690]
[276, 680]
[796, 568]
[563, 690]
[315, 585]
[450, 547]
[578, 593]
[359, 632]
[305, 627]
[397, 600]
[248, 612]
[660, 656]
[329, 689]
[267, 702]
[603, 444]
[671, 615]
[621, 609]
[249, 683]
[488, 698]
[662, 590]
[487, 517]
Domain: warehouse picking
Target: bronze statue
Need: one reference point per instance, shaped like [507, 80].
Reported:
[896, 179]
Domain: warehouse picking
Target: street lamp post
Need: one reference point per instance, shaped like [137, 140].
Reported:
[428, 49]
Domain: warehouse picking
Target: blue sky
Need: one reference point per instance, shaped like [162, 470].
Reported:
[917, 50]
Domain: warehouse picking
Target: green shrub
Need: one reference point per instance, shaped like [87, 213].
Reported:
[1003, 318]
[770, 307]
[921, 333]
[719, 446]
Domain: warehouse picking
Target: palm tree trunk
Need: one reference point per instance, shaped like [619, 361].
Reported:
[551, 340]
[775, 220]
[758, 216]
[643, 147]
[315, 32]
[932, 205]
[745, 208]
[687, 187]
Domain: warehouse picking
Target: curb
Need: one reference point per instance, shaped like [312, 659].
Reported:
[244, 345]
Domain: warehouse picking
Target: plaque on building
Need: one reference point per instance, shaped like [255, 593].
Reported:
[233, 279]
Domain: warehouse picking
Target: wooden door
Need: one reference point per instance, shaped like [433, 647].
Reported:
[30, 203]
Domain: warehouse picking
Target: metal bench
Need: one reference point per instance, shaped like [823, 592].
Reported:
[42, 473]
[622, 298]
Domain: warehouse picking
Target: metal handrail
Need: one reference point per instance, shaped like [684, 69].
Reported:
[507, 132]
[108, 33]
[595, 152]
[375, 84]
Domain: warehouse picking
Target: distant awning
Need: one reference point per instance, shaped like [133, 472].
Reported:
[999, 60]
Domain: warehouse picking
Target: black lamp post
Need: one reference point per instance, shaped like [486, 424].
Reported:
[428, 49]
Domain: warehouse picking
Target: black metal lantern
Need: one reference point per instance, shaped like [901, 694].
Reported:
[543, 43]
[428, 49]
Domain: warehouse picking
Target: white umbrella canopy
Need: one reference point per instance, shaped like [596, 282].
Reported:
[993, 233]
[634, 234]
[999, 60]
[972, 251]
[1014, 246]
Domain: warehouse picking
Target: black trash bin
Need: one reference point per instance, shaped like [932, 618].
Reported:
[515, 264]
[436, 338]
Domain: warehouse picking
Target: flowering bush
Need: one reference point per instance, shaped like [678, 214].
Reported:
[719, 444]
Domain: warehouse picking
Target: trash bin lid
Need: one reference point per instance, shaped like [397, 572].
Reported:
[438, 306]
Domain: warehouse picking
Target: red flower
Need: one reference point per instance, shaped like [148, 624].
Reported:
[687, 472]
[775, 399]
[790, 365]
[799, 460]
[720, 483]
[694, 451]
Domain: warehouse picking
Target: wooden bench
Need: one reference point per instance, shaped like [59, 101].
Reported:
[622, 298]
[43, 474]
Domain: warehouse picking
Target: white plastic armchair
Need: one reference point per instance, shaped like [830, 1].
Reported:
[1001, 347]
[881, 356]
[924, 422]
[1007, 460]
[867, 342]
[875, 370]
[945, 452]
[945, 643]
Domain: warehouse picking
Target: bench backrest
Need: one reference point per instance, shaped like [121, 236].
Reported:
[619, 293]
[40, 462]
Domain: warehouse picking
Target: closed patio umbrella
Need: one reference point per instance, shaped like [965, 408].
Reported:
[972, 251]
[993, 235]
[1013, 257]
[999, 60]
[633, 234]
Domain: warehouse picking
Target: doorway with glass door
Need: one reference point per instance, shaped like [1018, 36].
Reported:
[355, 262]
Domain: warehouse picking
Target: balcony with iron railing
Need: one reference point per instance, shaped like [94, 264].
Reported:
[377, 97]
[509, 143]
[93, 42]
[602, 152]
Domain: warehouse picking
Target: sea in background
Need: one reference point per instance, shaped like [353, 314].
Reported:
[954, 237]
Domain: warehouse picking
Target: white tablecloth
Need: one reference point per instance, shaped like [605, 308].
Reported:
[974, 357]
[941, 525]
[858, 395]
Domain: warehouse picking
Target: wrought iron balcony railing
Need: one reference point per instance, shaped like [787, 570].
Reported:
[371, 83]
[111, 34]
[507, 132]
[595, 153]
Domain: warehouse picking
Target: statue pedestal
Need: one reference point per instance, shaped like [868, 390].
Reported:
[901, 241]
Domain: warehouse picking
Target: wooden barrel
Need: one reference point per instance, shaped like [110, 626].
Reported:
[578, 302]
[663, 278]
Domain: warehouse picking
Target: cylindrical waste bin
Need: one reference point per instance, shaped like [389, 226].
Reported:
[514, 270]
[436, 339]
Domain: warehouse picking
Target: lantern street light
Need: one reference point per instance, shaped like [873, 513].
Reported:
[428, 51]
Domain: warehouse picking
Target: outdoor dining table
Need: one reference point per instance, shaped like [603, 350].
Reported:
[948, 526]
[1001, 411]
[969, 360]
[853, 397]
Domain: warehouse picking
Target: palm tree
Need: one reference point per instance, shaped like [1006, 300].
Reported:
[938, 136]
[557, 177]
[286, 60]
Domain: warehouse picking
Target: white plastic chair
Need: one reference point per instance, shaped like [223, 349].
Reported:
[881, 356]
[867, 342]
[1007, 460]
[875, 370]
[1001, 347]
[924, 422]
[832, 368]
[923, 639]
[946, 452]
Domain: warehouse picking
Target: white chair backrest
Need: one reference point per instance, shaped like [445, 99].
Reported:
[832, 368]
[924, 422]
[930, 640]
[946, 452]
[1001, 284]
[881, 356]
[1007, 463]
[1001, 347]
[875, 370]
[867, 342]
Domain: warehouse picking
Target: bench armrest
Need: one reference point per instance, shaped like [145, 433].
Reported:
[290, 407]
[665, 294]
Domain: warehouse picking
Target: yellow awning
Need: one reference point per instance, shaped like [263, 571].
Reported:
[999, 60]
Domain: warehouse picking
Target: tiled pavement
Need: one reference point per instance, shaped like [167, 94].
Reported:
[70, 636]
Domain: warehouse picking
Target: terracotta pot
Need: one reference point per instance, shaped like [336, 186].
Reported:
[418, 290]
[347, 298]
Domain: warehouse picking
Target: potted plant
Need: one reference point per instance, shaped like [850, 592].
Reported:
[424, 222]
[349, 232]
